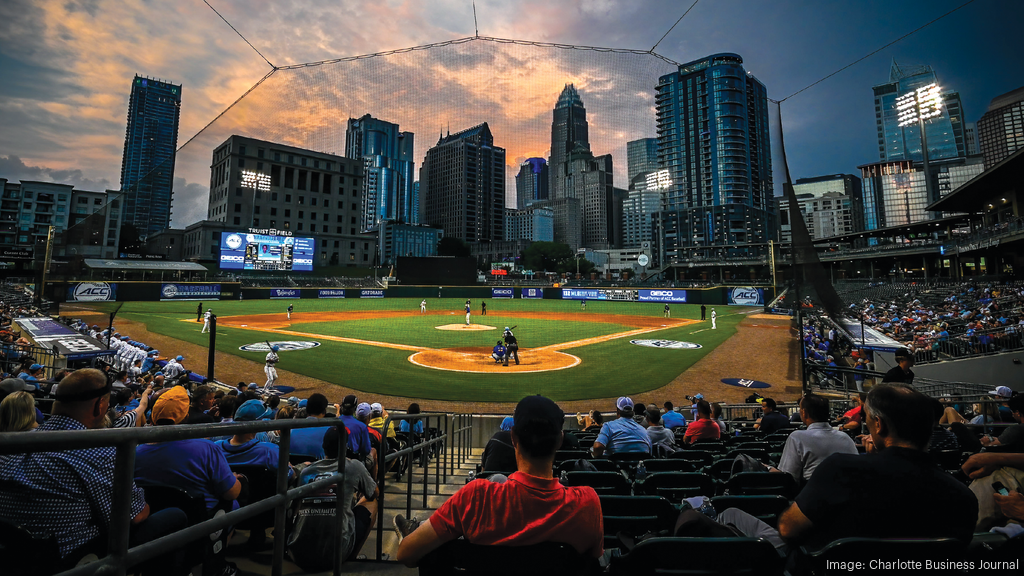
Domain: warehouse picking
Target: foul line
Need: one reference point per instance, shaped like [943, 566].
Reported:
[338, 339]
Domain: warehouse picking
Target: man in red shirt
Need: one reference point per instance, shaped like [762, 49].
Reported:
[704, 428]
[529, 508]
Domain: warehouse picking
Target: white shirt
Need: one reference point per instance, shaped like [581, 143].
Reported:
[805, 449]
[207, 315]
[272, 358]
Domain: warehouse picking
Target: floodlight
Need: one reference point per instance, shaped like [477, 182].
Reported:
[256, 180]
[919, 105]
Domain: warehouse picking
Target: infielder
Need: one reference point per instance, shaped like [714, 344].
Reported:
[583, 304]
[423, 306]
[512, 345]
[271, 369]
[714, 315]
[206, 320]
[467, 312]
[290, 308]
[668, 312]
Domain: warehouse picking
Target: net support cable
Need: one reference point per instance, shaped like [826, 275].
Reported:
[663, 36]
[271, 64]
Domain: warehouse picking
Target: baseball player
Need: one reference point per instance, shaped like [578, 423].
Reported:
[668, 313]
[498, 353]
[513, 346]
[290, 308]
[467, 312]
[714, 316]
[271, 368]
[583, 304]
[173, 368]
[423, 306]
[199, 312]
[206, 320]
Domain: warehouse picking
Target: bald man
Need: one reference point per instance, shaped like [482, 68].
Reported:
[68, 493]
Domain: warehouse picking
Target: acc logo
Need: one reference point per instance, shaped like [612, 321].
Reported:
[233, 241]
[169, 291]
[746, 296]
[286, 346]
[745, 383]
[92, 291]
[672, 344]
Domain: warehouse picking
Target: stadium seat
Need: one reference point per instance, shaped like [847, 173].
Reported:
[26, 555]
[210, 551]
[698, 458]
[879, 549]
[674, 465]
[563, 455]
[676, 485]
[703, 556]
[261, 483]
[759, 454]
[712, 446]
[720, 470]
[602, 465]
[294, 459]
[947, 459]
[762, 483]
[764, 508]
[629, 457]
[601, 482]
[460, 558]
[635, 515]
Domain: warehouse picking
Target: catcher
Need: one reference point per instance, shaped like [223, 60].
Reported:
[511, 345]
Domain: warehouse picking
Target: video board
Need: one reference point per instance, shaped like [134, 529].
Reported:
[242, 251]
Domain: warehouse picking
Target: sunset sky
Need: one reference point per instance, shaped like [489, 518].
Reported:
[66, 70]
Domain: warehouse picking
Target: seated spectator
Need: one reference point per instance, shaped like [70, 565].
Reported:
[1012, 436]
[32, 374]
[773, 419]
[854, 417]
[659, 435]
[901, 372]
[358, 434]
[672, 419]
[18, 413]
[195, 464]
[415, 426]
[310, 441]
[942, 438]
[529, 508]
[68, 493]
[134, 415]
[986, 469]
[247, 449]
[703, 428]
[622, 434]
[592, 422]
[203, 400]
[377, 417]
[716, 415]
[1003, 394]
[499, 454]
[805, 449]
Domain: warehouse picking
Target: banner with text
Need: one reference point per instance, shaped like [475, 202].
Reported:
[583, 294]
[532, 293]
[678, 296]
[281, 293]
[92, 292]
[371, 293]
[746, 296]
[502, 292]
[331, 293]
[190, 292]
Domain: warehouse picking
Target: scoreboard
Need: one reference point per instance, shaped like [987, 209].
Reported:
[240, 251]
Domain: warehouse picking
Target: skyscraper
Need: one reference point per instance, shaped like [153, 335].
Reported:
[641, 156]
[147, 167]
[462, 181]
[1001, 128]
[388, 171]
[532, 182]
[713, 141]
[945, 133]
[569, 131]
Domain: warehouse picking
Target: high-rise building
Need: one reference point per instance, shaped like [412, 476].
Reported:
[29, 208]
[569, 131]
[399, 239]
[642, 201]
[270, 186]
[533, 224]
[895, 194]
[388, 171]
[1001, 128]
[147, 167]
[641, 156]
[971, 138]
[713, 140]
[946, 138]
[532, 182]
[462, 182]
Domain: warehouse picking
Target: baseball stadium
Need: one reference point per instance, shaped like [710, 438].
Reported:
[595, 328]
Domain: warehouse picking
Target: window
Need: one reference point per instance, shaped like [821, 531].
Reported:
[324, 227]
[255, 209]
[302, 214]
[327, 203]
[241, 162]
[259, 165]
[237, 220]
[255, 221]
[312, 215]
[238, 207]
[287, 213]
[289, 175]
[28, 193]
[238, 191]
[62, 197]
[273, 196]
[300, 227]
[302, 200]
[97, 202]
[312, 201]
[277, 156]
[327, 217]
[335, 243]
[352, 245]
[353, 220]
[241, 151]
[366, 257]
[341, 218]
[316, 163]
[83, 200]
[337, 230]
[353, 232]
[273, 211]
[351, 257]
[259, 152]
[323, 256]
[303, 162]
[327, 183]
[291, 159]
[26, 205]
[366, 245]
[287, 197]
[302, 178]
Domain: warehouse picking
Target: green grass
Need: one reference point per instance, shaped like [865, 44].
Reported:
[608, 369]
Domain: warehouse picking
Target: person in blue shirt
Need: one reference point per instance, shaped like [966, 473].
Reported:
[415, 425]
[498, 353]
[147, 364]
[671, 418]
[247, 449]
[32, 374]
[310, 441]
[622, 434]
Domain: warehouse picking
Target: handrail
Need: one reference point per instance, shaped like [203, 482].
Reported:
[119, 557]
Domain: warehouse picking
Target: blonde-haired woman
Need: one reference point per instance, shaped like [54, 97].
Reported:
[18, 413]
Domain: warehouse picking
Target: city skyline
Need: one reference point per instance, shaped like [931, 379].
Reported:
[63, 117]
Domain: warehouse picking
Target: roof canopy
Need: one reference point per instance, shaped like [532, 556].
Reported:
[162, 265]
[989, 187]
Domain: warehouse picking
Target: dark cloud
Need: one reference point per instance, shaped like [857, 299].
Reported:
[12, 168]
[189, 204]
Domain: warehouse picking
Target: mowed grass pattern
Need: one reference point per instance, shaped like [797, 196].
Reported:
[608, 368]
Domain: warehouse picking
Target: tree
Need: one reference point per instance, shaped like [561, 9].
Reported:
[547, 256]
[452, 246]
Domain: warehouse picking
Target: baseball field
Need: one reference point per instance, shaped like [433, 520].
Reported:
[387, 346]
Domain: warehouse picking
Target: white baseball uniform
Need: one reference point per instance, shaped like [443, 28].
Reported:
[173, 369]
[423, 307]
[206, 321]
[270, 369]
[714, 315]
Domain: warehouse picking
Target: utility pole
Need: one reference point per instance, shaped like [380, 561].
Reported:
[213, 347]
[41, 292]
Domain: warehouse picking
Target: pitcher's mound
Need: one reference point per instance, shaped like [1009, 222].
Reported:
[465, 327]
[479, 360]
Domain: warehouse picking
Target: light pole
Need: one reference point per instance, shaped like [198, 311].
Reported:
[257, 181]
[918, 106]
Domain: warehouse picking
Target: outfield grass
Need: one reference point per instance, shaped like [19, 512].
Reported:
[608, 369]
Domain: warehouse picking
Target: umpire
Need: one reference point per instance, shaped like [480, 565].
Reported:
[512, 345]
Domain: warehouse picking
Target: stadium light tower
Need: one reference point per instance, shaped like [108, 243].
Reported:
[918, 106]
[258, 181]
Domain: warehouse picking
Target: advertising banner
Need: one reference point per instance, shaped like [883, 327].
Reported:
[532, 293]
[502, 292]
[746, 296]
[583, 294]
[371, 293]
[190, 292]
[66, 342]
[16, 252]
[280, 293]
[92, 292]
[663, 296]
[330, 293]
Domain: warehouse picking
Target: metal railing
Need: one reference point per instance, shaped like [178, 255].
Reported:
[119, 556]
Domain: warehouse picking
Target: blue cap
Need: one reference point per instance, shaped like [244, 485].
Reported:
[180, 358]
[124, 338]
[159, 373]
[506, 424]
[35, 367]
[275, 348]
[302, 403]
[250, 410]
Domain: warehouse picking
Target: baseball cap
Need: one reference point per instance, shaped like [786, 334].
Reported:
[1002, 392]
[35, 367]
[179, 358]
[303, 402]
[624, 403]
[12, 385]
[293, 400]
[275, 348]
[376, 407]
[151, 353]
[506, 424]
[171, 405]
[249, 411]
[538, 410]
[253, 386]
[363, 409]
[350, 400]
